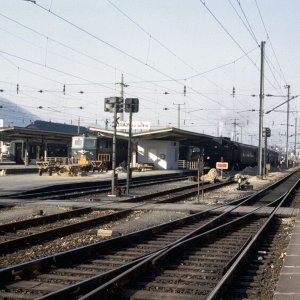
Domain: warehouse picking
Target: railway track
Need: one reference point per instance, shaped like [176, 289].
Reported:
[86, 263]
[16, 235]
[201, 267]
[191, 270]
[257, 280]
[73, 273]
[67, 191]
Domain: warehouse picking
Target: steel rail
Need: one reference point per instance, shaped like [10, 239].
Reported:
[249, 250]
[41, 220]
[109, 290]
[7, 274]
[68, 292]
[37, 237]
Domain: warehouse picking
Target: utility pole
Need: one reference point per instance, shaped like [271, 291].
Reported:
[78, 130]
[122, 84]
[287, 127]
[251, 136]
[295, 148]
[234, 129]
[265, 154]
[241, 133]
[178, 109]
[122, 96]
[261, 107]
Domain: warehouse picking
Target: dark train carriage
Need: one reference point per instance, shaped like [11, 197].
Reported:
[212, 149]
[215, 149]
[229, 153]
[246, 155]
[273, 157]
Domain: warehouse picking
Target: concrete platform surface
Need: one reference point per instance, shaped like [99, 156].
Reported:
[288, 287]
[16, 183]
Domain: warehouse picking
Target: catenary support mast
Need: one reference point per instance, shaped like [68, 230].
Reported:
[261, 108]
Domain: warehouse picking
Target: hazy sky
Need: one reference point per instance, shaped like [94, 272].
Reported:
[160, 46]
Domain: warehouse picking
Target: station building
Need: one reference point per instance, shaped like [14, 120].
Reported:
[38, 141]
[168, 148]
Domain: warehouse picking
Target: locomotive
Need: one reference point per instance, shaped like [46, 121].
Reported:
[237, 155]
[93, 147]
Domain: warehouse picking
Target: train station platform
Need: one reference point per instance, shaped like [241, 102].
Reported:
[288, 287]
[17, 182]
[12, 168]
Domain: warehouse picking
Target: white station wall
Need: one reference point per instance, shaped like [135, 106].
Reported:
[164, 154]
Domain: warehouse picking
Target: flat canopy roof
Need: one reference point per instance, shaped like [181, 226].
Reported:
[168, 134]
[171, 134]
[17, 133]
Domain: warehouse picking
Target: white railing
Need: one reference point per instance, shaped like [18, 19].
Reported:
[62, 160]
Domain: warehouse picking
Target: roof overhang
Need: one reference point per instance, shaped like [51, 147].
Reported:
[19, 133]
[108, 133]
[168, 134]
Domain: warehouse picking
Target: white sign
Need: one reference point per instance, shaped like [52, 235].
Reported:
[1, 123]
[222, 165]
[134, 125]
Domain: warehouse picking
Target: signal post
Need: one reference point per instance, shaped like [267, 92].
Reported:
[266, 135]
[116, 105]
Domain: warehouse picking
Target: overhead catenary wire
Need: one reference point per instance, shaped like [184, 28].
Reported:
[165, 47]
[151, 36]
[172, 80]
[248, 28]
[234, 40]
[207, 97]
[79, 52]
[122, 51]
[268, 36]
[108, 44]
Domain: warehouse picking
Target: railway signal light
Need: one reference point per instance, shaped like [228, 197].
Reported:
[132, 105]
[266, 132]
[111, 102]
